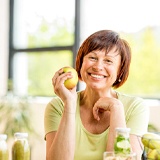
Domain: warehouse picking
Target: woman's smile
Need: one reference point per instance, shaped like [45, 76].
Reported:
[97, 76]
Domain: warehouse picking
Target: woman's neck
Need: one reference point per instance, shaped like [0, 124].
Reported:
[88, 97]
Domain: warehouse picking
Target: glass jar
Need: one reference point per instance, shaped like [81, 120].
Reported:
[21, 148]
[3, 147]
[122, 141]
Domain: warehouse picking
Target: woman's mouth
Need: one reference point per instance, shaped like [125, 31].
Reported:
[97, 76]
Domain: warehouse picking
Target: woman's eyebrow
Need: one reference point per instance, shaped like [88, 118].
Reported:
[112, 55]
[93, 52]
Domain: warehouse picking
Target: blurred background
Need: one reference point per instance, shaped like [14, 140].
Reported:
[39, 37]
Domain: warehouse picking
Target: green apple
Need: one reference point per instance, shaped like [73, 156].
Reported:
[71, 82]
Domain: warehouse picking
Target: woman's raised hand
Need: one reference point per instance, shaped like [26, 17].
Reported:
[105, 104]
[59, 88]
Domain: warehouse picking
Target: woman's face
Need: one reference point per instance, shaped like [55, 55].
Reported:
[99, 70]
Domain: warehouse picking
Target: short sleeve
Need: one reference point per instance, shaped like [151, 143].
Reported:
[53, 114]
[137, 117]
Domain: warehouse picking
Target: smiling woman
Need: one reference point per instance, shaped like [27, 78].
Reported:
[109, 51]
[82, 119]
[43, 35]
[99, 59]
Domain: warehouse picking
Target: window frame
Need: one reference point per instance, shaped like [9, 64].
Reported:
[12, 50]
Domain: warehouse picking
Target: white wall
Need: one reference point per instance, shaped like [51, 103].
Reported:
[38, 147]
[155, 116]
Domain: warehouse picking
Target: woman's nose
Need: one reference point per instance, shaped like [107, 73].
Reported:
[98, 65]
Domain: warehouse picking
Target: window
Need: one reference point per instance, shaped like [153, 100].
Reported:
[42, 40]
[42, 32]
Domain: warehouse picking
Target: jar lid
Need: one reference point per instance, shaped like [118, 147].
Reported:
[123, 129]
[21, 135]
[3, 136]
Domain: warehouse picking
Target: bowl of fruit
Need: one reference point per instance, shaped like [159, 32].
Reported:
[151, 142]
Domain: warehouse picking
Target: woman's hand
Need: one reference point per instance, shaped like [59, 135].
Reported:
[67, 96]
[105, 104]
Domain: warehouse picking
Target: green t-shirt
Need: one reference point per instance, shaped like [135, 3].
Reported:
[91, 146]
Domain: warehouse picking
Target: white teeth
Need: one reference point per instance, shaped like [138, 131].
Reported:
[97, 76]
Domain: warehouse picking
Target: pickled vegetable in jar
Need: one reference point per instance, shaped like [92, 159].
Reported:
[3, 147]
[21, 148]
[122, 141]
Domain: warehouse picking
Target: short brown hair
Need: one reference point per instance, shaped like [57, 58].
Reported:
[106, 40]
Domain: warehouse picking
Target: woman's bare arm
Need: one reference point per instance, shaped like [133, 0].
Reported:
[117, 119]
[60, 145]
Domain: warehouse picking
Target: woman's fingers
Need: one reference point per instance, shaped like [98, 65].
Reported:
[58, 81]
[100, 106]
[97, 110]
[95, 113]
[56, 75]
[106, 104]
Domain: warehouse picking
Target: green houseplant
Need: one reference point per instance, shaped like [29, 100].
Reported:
[15, 113]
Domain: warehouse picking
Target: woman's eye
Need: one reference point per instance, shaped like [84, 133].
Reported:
[93, 58]
[108, 61]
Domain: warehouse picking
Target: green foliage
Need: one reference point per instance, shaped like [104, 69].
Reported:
[51, 34]
[144, 73]
[152, 128]
[43, 65]
[41, 69]
[15, 115]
